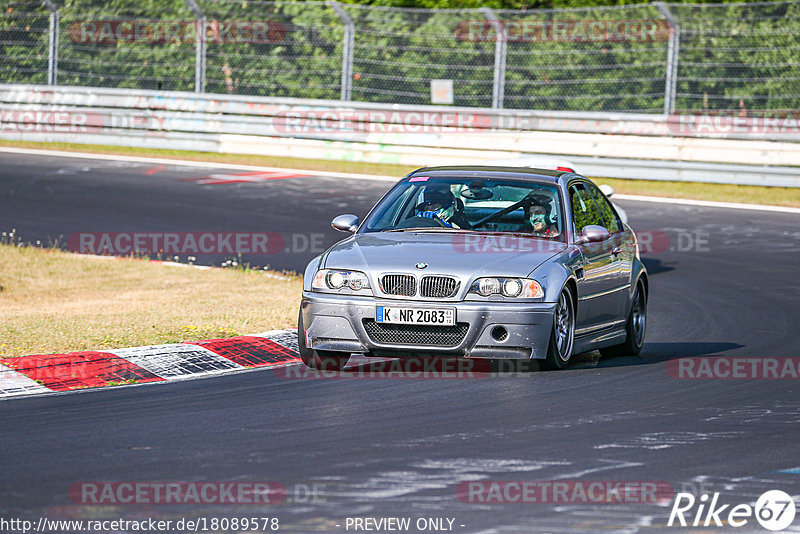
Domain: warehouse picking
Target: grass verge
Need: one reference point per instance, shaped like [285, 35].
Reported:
[748, 194]
[55, 302]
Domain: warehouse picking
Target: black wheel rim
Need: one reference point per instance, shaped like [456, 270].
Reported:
[638, 317]
[563, 324]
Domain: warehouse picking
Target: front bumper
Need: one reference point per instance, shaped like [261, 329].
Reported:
[339, 323]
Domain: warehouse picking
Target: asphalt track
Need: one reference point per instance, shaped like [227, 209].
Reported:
[400, 447]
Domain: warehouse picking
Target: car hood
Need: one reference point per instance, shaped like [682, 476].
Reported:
[466, 255]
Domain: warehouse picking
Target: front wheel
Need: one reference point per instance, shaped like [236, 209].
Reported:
[562, 338]
[321, 360]
[634, 328]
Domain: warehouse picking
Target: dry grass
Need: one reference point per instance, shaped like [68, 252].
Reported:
[778, 196]
[53, 302]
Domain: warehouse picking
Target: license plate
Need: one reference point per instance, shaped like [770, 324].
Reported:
[429, 316]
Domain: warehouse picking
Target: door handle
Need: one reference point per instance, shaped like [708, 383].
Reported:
[616, 250]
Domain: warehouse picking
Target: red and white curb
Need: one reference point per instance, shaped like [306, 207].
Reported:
[39, 374]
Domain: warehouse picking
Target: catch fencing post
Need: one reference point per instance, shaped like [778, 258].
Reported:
[673, 49]
[499, 80]
[200, 47]
[348, 48]
[52, 52]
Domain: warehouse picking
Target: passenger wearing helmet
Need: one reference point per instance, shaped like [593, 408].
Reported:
[538, 218]
[440, 204]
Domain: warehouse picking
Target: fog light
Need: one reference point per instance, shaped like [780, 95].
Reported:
[499, 333]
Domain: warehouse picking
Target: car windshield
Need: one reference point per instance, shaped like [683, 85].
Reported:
[422, 203]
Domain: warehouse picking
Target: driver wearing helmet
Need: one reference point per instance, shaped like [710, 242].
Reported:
[538, 219]
[440, 205]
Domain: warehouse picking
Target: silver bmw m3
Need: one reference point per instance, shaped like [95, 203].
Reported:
[478, 262]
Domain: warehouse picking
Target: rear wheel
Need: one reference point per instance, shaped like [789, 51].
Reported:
[322, 360]
[562, 337]
[634, 328]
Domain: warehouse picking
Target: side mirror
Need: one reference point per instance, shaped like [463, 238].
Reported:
[593, 233]
[345, 223]
[607, 190]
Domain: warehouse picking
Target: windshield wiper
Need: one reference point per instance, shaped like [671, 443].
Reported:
[427, 229]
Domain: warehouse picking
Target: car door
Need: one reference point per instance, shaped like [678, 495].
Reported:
[598, 288]
[623, 248]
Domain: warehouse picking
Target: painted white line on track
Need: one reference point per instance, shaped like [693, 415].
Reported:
[162, 262]
[189, 163]
[373, 177]
[707, 203]
[185, 265]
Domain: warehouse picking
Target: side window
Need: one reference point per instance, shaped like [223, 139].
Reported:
[584, 208]
[610, 221]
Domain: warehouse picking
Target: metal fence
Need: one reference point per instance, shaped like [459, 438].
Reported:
[650, 58]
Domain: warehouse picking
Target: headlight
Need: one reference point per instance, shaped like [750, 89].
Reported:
[488, 286]
[512, 287]
[525, 288]
[336, 279]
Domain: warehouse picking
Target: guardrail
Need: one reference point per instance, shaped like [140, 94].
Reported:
[740, 151]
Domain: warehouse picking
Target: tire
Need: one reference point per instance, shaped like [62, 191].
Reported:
[321, 360]
[634, 328]
[562, 337]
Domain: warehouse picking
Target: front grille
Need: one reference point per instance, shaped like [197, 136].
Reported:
[438, 286]
[399, 284]
[408, 334]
